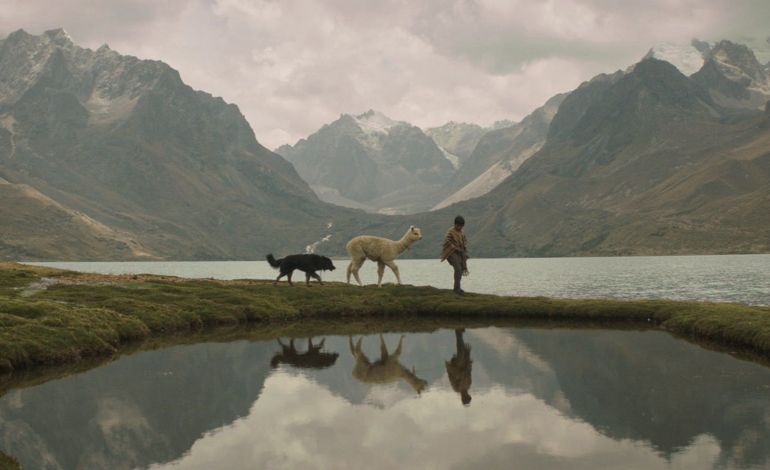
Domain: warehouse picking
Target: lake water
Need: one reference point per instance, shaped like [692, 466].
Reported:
[493, 397]
[727, 278]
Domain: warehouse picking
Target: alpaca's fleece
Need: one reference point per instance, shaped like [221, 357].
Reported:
[381, 250]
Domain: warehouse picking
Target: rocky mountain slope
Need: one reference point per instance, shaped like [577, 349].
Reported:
[457, 140]
[734, 77]
[498, 154]
[377, 163]
[109, 156]
[641, 162]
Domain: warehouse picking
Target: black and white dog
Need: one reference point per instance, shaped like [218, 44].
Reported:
[309, 263]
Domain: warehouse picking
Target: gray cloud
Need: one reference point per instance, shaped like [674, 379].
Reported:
[294, 65]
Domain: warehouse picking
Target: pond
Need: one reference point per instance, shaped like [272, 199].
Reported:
[481, 397]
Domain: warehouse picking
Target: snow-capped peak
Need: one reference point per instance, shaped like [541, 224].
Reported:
[374, 122]
[687, 58]
[738, 62]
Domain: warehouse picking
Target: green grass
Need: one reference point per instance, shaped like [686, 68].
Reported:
[84, 317]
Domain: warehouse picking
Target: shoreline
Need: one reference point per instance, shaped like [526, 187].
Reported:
[73, 316]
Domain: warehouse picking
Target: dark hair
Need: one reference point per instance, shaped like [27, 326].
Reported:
[459, 220]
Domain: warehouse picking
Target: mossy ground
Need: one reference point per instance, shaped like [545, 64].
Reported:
[85, 315]
[8, 463]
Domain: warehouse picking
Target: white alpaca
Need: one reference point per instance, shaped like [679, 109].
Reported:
[381, 250]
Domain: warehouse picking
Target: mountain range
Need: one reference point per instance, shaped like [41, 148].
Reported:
[106, 156]
[637, 162]
[372, 162]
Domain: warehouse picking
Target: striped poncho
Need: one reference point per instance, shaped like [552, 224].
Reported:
[454, 241]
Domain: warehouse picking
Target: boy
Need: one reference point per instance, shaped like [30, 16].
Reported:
[455, 251]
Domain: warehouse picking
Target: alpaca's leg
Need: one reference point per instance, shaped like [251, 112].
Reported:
[350, 269]
[380, 272]
[383, 349]
[356, 267]
[397, 354]
[394, 268]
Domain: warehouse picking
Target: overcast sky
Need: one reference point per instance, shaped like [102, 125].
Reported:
[294, 65]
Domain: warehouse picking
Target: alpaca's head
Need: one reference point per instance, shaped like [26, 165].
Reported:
[413, 234]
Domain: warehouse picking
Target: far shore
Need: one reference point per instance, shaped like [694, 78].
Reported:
[52, 317]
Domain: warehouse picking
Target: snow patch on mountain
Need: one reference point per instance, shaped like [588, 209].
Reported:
[453, 159]
[489, 180]
[687, 58]
[374, 122]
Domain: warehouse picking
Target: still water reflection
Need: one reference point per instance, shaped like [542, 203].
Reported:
[541, 398]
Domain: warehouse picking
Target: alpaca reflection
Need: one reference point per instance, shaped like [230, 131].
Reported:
[387, 369]
[313, 358]
[459, 368]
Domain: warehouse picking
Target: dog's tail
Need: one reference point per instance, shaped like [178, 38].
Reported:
[273, 262]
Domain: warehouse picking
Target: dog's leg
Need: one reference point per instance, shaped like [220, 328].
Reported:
[380, 272]
[394, 268]
[307, 279]
[277, 279]
[316, 276]
[288, 277]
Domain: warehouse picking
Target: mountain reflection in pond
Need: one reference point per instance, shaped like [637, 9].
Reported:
[542, 398]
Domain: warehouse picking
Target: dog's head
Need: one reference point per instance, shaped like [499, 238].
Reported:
[326, 264]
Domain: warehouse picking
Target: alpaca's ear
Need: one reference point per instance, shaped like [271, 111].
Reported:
[411, 227]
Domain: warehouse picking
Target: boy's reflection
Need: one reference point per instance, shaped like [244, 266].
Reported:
[459, 368]
[387, 369]
[313, 358]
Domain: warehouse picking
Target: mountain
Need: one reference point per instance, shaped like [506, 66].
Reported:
[734, 77]
[457, 140]
[498, 154]
[638, 162]
[377, 163]
[114, 157]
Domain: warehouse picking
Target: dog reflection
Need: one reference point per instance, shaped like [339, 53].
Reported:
[459, 368]
[386, 370]
[313, 358]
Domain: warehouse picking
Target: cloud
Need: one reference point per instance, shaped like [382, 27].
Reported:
[293, 65]
[298, 423]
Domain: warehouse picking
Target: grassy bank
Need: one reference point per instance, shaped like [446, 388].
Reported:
[50, 316]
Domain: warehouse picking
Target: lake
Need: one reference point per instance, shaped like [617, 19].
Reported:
[491, 397]
[724, 278]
